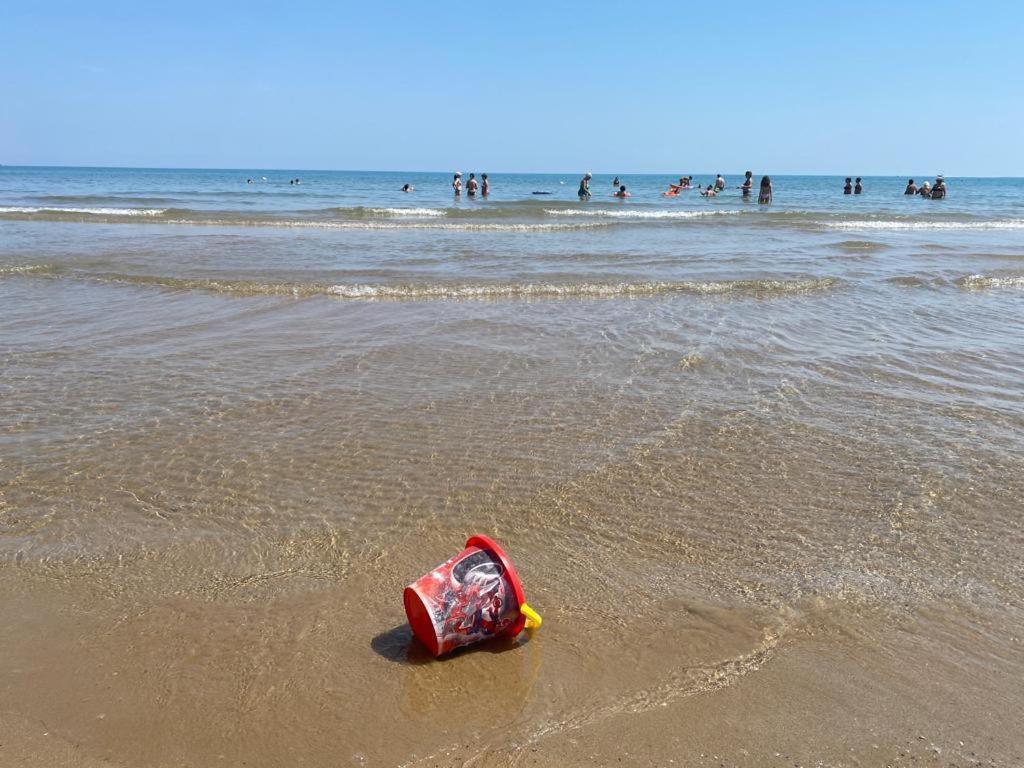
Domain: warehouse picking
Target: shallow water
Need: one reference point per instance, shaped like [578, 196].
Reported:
[741, 455]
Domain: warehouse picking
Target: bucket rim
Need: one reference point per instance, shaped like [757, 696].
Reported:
[481, 541]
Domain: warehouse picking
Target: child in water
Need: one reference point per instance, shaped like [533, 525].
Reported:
[622, 192]
[765, 195]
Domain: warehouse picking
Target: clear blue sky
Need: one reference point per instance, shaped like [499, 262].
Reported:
[813, 87]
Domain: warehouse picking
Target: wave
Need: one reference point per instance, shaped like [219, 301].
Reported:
[856, 246]
[636, 214]
[986, 282]
[25, 269]
[426, 291]
[86, 211]
[903, 224]
[582, 290]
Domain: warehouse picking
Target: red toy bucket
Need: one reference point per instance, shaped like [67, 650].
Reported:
[474, 596]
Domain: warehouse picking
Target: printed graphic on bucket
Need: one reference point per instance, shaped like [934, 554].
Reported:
[472, 597]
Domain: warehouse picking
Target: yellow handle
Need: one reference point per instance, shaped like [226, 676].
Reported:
[533, 619]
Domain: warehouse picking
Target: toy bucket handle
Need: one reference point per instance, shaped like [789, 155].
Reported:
[533, 619]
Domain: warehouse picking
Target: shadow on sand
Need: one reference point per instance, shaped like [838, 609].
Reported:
[399, 645]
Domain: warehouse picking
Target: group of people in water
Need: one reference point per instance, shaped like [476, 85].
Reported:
[926, 190]
[850, 187]
[686, 183]
[936, 192]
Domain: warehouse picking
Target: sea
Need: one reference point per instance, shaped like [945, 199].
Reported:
[759, 467]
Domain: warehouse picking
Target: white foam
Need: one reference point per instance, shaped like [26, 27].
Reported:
[408, 212]
[90, 211]
[869, 224]
[383, 225]
[639, 215]
[976, 282]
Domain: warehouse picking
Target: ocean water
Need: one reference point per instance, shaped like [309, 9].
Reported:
[760, 467]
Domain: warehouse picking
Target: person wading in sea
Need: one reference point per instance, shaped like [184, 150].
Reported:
[584, 190]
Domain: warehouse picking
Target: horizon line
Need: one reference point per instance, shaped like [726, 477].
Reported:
[252, 169]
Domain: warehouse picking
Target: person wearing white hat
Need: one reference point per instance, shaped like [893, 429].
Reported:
[457, 183]
[584, 191]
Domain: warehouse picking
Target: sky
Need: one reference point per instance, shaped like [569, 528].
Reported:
[619, 87]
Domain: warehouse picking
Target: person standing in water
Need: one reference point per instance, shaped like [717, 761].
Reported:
[719, 183]
[939, 190]
[615, 181]
[765, 195]
[457, 183]
[584, 190]
[848, 186]
[485, 188]
[472, 185]
[911, 188]
[407, 188]
[748, 183]
[858, 187]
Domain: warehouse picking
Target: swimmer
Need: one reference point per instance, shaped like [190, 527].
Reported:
[858, 187]
[584, 190]
[925, 190]
[709, 192]
[615, 182]
[911, 188]
[407, 188]
[472, 185]
[485, 188]
[622, 192]
[719, 183]
[848, 186]
[939, 189]
[748, 183]
[457, 184]
[765, 195]
[674, 189]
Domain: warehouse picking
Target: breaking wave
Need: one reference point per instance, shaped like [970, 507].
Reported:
[86, 211]
[985, 282]
[635, 214]
[454, 290]
[897, 224]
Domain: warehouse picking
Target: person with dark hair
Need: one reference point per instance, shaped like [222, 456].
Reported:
[939, 189]
[407, 187]
[485, 188]
[457, 184]
[615, 182]
[911, 188]
[765, 195]
[719, 183]
[584, 190]
[858, 187]
[709, 192]
[848, 186]
[748, 183]
[472, 185]
[622, 191]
